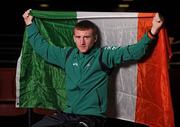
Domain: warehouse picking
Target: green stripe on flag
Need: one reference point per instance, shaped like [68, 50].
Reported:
[54, 14]
[42, 84]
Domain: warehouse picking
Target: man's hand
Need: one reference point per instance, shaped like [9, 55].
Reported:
[157, 24]
[27, 17]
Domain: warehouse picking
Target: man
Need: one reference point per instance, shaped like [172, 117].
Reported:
[87, 70]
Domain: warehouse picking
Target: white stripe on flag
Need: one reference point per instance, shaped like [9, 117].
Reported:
[106, 15]
[122, 92]
[18, 70]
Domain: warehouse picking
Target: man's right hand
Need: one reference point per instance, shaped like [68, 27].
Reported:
[27, 17]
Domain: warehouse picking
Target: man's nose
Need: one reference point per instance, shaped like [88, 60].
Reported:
[82, 41]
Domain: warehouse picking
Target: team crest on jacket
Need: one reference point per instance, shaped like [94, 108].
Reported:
[75, 64]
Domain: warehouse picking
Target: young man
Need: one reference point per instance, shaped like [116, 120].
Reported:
[86, 70]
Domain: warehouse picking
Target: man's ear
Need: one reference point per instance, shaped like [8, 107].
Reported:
[95, 38]
[74, 39]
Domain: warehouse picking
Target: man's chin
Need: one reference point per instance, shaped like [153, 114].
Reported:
[83, 50]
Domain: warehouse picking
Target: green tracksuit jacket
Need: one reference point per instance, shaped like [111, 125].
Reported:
[86, 81]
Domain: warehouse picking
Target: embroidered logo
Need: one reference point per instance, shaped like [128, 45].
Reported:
[88, 65]
[111, 47]
[75, 64]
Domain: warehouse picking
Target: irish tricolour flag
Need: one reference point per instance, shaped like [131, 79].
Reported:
[137, 92]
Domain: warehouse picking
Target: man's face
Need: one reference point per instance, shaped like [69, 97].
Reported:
[84, 39]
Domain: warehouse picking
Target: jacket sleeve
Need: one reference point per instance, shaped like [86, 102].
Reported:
[114, 55]
[49, 52]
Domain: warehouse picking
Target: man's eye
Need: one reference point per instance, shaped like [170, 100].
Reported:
[77, 36]
[87, 37]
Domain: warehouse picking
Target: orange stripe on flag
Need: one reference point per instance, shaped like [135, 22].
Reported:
[154, 106]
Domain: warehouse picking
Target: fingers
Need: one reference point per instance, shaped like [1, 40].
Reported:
[26, 13]
[157, 23]
[27, 17]
[158, 18]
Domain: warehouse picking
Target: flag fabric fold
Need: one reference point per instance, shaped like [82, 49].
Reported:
[137, 92]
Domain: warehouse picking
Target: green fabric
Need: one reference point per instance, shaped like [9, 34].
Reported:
[41, 84]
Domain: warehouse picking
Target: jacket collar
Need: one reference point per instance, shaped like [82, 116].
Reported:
[90, 52]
